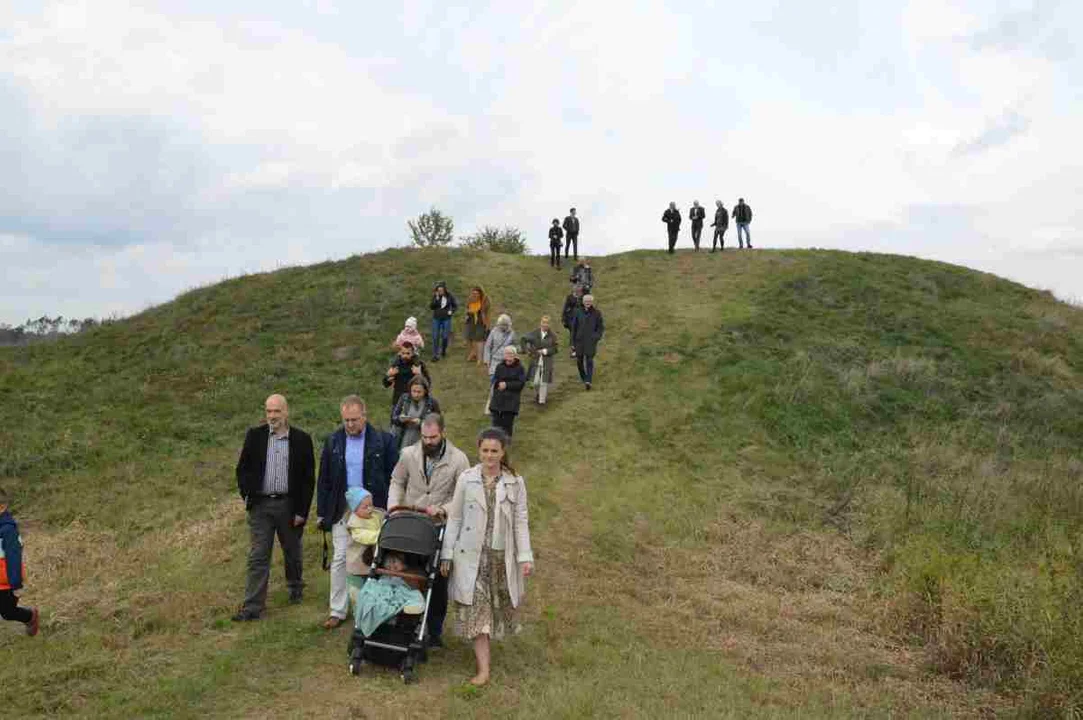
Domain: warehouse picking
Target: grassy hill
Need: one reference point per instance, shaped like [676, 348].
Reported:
[807, 483]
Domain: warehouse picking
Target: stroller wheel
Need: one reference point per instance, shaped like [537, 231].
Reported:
[409, 676]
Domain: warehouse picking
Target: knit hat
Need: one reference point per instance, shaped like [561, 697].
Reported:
[411, 322]
[355, 496]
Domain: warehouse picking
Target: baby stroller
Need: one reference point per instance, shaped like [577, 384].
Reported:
[402, 640]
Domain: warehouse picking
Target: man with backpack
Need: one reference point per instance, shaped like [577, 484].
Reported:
[742, 215]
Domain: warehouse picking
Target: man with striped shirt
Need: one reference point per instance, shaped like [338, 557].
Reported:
[276, 479]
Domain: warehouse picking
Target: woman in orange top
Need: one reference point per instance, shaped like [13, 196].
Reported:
[477, 322]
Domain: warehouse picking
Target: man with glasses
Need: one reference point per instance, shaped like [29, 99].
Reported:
[425, 478]
[355, 455]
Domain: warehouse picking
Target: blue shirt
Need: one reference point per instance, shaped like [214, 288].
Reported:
[355, 460]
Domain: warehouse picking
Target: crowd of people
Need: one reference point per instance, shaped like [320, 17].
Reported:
[364, 472]
[697, 214]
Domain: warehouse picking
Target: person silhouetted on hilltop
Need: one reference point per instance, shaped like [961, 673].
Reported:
[721, 222]
[571, 229]
[697, 215]
[742, 215]
[672, 218]
[555, 236]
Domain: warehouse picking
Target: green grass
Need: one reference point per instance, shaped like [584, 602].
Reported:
[807, 483]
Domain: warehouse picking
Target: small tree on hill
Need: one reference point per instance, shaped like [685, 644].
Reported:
[507, 240]
[431, 229]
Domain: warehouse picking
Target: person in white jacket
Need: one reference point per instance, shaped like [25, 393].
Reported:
[487, 549]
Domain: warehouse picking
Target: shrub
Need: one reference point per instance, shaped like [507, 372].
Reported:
[431, 229]
[507, 240]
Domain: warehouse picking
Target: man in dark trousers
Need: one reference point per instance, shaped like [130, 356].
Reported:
[443, 305]
[721, 222]
[275, 476]
[571, 230]
[355, 455]
[555, 236]
[672, 218]
[697, 215]
[742, 215]
[587, 330]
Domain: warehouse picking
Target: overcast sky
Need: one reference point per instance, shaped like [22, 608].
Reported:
[147, 151]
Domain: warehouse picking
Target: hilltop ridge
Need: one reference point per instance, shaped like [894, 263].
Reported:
[807, 481]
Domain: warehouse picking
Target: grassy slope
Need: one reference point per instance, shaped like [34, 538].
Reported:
[805, 481]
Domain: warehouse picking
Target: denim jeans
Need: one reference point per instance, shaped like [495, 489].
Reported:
[748, 237]
[441, 331]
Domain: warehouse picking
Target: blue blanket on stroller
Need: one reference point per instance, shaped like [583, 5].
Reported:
[382, 599]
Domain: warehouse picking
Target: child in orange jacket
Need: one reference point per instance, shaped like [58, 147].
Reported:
[12, 572]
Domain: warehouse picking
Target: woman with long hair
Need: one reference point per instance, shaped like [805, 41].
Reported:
[477, 322]
[487, 549]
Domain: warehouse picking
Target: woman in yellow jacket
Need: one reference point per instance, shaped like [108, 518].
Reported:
[487, 549]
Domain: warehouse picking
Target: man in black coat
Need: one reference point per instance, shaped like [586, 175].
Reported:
[721, 222]
[404, 367]
[672, 218]
[275, 476]
[697, 215]
[355, 455]
[587, 330]
[571, 230]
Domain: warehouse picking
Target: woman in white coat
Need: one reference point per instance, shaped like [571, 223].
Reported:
[487, 549]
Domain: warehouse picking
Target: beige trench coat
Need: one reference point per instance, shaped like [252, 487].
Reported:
[465, 533]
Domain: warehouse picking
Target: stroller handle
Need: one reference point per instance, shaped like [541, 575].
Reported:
[406, 508]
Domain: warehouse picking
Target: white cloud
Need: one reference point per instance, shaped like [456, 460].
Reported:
[162, 143]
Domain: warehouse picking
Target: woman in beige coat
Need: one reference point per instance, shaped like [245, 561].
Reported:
[487, 548]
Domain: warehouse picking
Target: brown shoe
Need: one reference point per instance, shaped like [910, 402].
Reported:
[332, 622]
[32, 626]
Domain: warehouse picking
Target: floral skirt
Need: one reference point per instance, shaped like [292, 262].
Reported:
[492, 612]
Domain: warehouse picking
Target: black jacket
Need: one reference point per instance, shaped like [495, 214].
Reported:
[571, 225]
[507, 400]
[697, 215]
[381, 454]
[252, 465]
[406, 374]
[672, 218]
[721, 218]
[555, 235]
[431, 406]
[742, 213]
[571, 305]
[438, 312]
[587, 329]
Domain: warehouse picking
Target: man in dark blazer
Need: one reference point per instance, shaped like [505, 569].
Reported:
[697, 215]
[672, 218]
[587, 330]
[355, 455]
[571, 231]
[275, 477]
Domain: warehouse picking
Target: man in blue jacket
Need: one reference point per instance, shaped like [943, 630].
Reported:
[355, 455]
